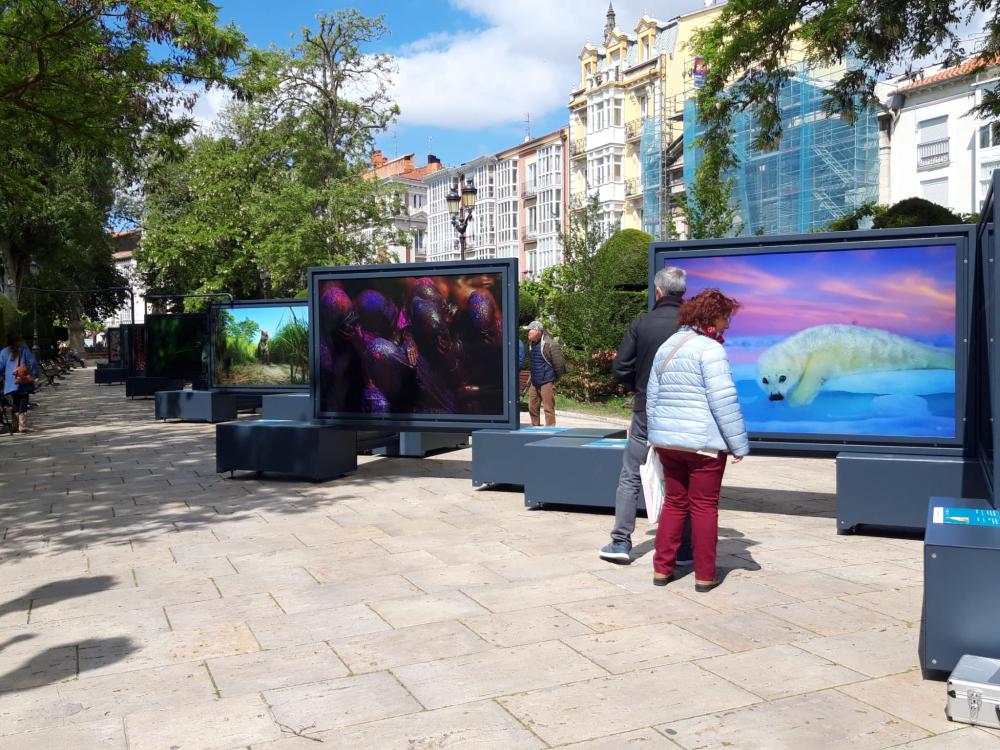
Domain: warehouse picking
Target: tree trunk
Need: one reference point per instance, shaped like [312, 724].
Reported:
[76, 327]
[9, 267]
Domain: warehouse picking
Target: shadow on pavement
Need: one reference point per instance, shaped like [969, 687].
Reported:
[60, 663]
[59, 591]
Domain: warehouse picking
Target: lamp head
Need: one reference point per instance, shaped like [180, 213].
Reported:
[453, 198]
[469, 195]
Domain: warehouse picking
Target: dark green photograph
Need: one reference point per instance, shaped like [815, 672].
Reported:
[175, 346]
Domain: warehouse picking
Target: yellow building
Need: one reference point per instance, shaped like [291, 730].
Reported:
[626, 121]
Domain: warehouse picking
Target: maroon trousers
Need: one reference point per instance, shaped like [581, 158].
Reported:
[693, 484]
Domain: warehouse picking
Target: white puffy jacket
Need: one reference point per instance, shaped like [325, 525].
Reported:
[692, 403]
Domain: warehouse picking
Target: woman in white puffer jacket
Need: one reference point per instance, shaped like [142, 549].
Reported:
[694, 422]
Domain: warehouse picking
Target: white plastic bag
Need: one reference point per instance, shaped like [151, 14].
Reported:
[653, 486]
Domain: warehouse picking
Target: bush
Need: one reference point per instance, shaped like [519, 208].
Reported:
[623, 261]
[595, 320]
[527, 304]
[915, 212]
[589, 380]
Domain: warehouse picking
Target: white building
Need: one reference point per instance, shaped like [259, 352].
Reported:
[408, 204]
[931, 147]
[481, 234]
[532, 196]
[124, 245]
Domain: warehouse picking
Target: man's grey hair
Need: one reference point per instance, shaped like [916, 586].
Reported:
[671, 280]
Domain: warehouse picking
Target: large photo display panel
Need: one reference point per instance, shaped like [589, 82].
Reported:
[262, 345]
[845, 343]
[428, 344]
[175, 345]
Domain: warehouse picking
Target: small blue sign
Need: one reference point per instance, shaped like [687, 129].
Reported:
[607, 443]
[967, 516]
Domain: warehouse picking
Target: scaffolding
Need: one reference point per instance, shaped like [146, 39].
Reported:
[650, 150]
[824, 168]
[660, 148]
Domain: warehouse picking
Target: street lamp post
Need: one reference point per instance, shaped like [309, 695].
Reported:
[34, 269]
[460, 206]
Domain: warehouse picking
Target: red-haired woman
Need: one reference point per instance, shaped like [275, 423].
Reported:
[694, 422]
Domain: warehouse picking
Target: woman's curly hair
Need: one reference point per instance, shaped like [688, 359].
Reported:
[706, 307]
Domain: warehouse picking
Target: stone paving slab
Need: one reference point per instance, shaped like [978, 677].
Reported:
[825, 720]
[147, 602]
[473, 726]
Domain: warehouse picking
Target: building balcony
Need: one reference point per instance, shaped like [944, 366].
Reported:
[529, 234]
[578, 147]
[529, 188]
[933, 154]
[633, 130]
[633, 187]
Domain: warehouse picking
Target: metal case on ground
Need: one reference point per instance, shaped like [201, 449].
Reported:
[974, 692]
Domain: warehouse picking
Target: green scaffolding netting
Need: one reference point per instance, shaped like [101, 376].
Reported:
[650, 148]
[823, 169]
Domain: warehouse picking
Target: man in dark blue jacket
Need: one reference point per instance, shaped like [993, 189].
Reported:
[547, 365]
[631, 368]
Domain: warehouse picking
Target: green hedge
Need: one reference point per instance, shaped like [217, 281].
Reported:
[623, 261]
[595, 320]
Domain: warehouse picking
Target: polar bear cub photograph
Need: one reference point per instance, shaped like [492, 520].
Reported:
[796, 368]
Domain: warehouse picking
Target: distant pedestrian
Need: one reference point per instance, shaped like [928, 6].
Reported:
[694, 421]
[631, 369]
[547, 365]
[19, 368]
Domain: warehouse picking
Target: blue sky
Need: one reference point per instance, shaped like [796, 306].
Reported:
[469, 71]
[269, 318]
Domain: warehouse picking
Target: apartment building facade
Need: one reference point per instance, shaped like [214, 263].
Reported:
[626, 121]
[407, 203]
[481, 235]
[931, 147]
[532, 195]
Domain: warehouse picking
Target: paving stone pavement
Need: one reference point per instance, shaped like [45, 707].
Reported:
[148, 603]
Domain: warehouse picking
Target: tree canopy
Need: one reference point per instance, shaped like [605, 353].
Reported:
[279, 185]
[86, 88]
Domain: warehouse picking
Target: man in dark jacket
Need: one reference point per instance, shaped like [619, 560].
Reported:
[631, 369]
[547, 365]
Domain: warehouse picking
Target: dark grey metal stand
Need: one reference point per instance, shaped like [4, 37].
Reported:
[108, 375]
[146, 387]
[419, 444]
[293, 406]
[498, 455]
[570, 471]
[961, 588]
[883, 489]
[303, 449]
[196, 406]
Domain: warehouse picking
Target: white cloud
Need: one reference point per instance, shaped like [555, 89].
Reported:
[210, 103]
[525, 60]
